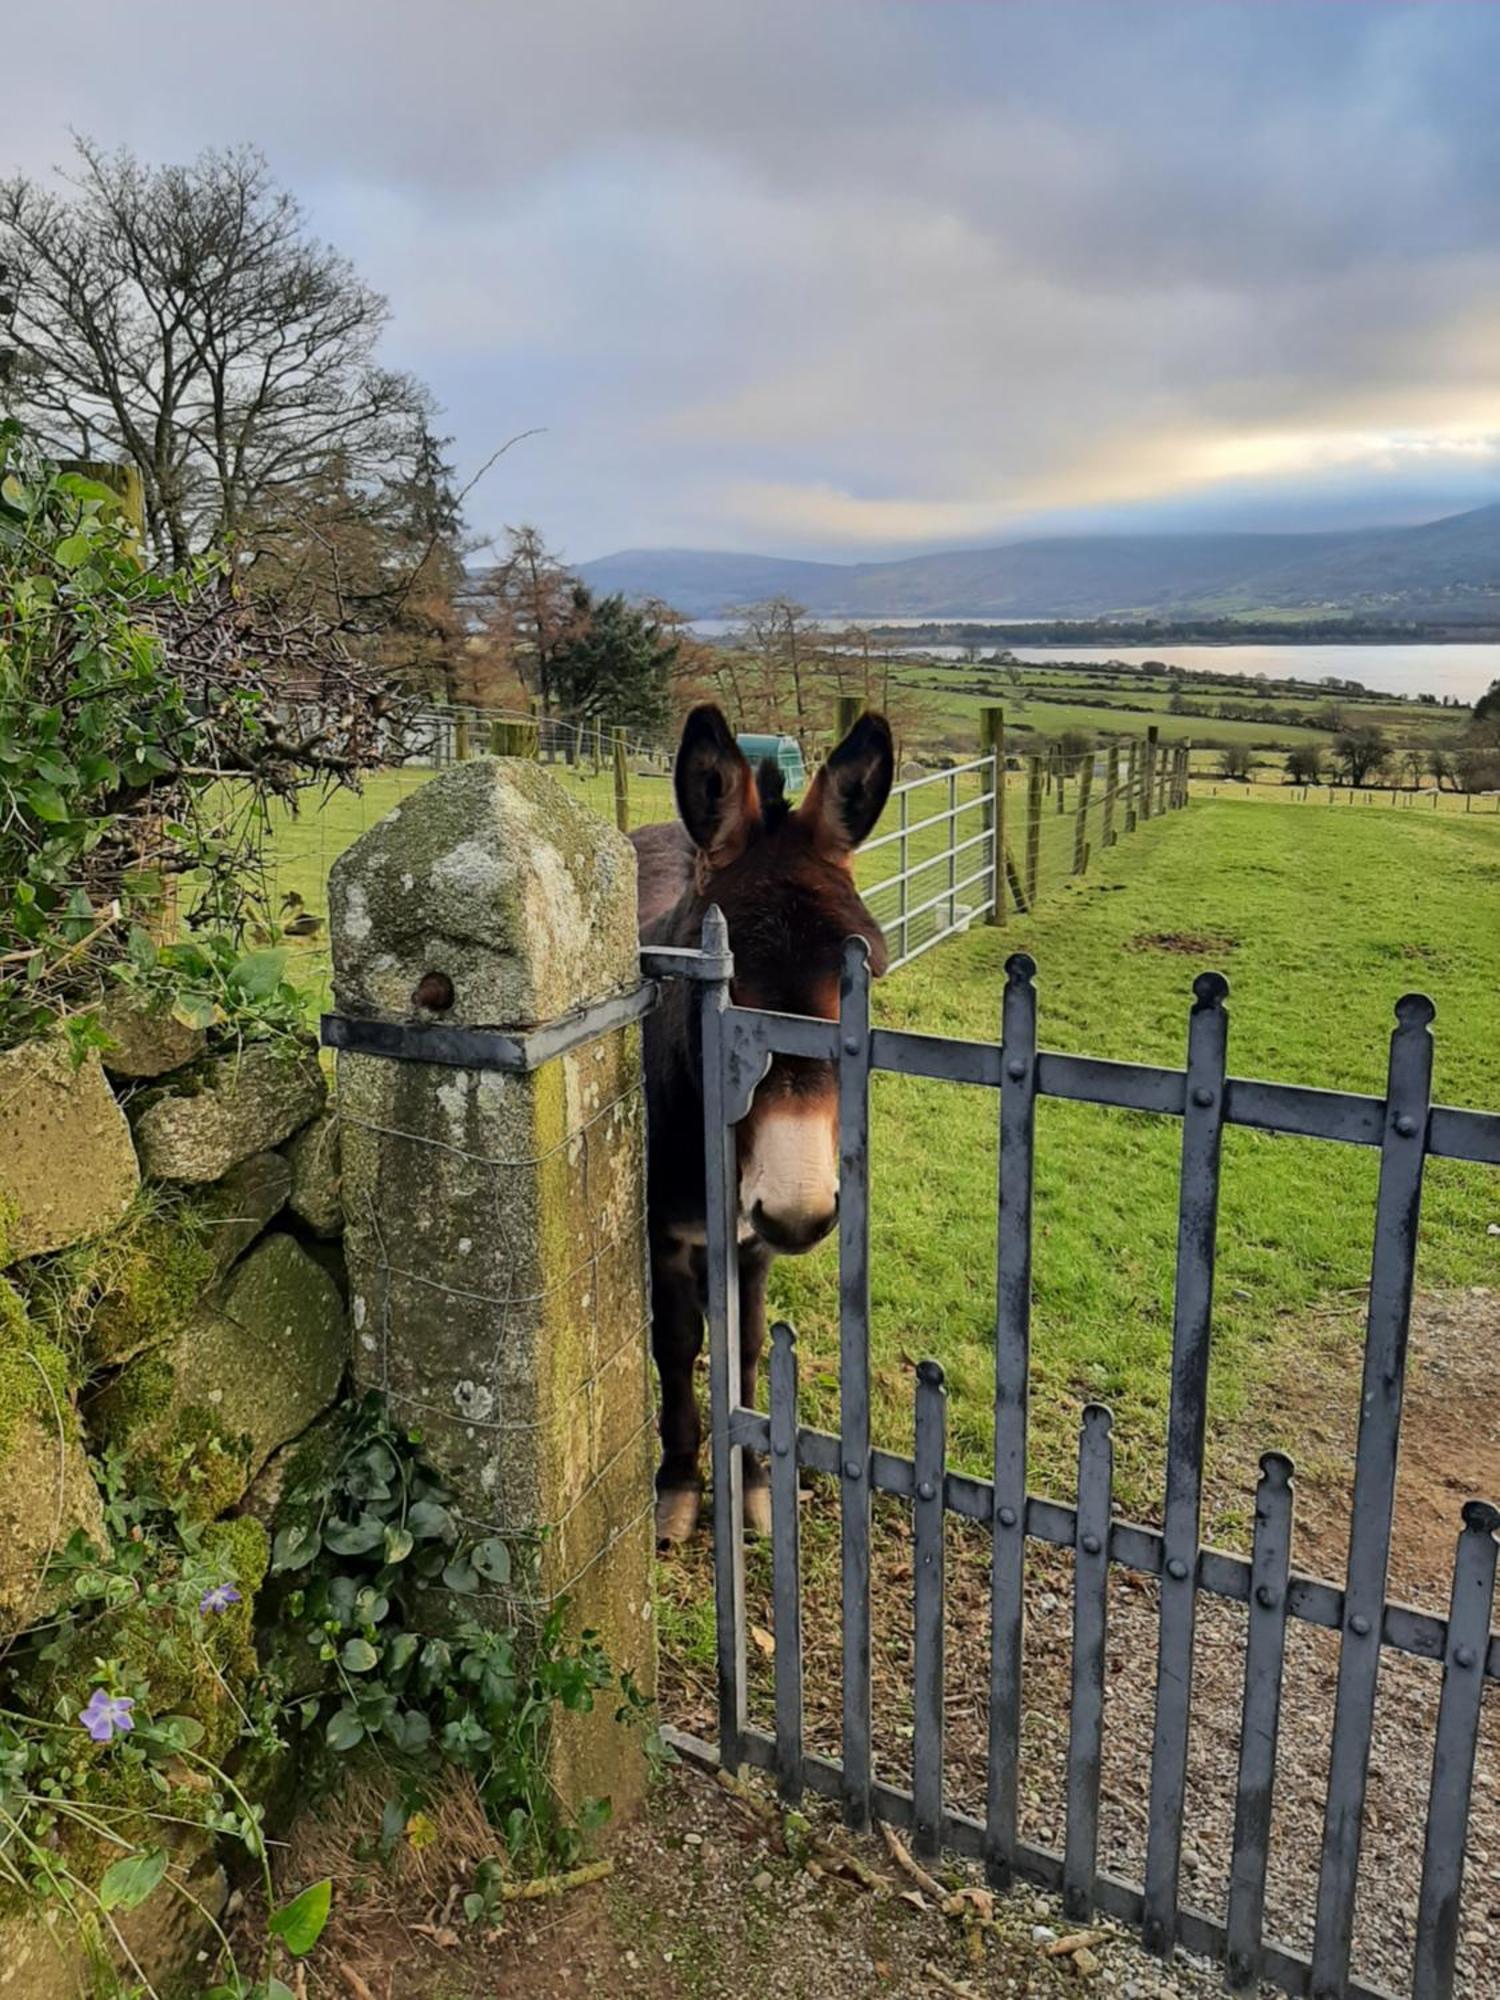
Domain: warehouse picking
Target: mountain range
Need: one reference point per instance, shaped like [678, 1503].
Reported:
[1446, 570]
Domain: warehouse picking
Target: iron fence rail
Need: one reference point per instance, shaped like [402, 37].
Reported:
[739, 1045]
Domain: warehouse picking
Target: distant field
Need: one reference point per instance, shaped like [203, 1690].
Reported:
[1045, 700]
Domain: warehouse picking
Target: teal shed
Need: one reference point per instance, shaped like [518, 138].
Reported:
[782, 750]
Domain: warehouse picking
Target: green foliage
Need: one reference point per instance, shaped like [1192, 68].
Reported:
[159, 1628]
[127, 695]
[367, 1545]
[614, 663]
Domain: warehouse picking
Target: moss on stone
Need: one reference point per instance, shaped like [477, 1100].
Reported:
[166, 1266]
[252, 1368]
[33, 1371]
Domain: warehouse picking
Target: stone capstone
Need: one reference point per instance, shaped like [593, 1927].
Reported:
[316, 1196]
[67, 1165]
[495, 876]
[237, 1105]
[148, 1041]
[259, 1360]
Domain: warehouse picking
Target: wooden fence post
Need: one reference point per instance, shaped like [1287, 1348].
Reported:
[1033, 825]
[847, 711]
[461, 737]
[1081, 824]
[622, 784]
[992, 745]
[1062, 780]
[1148, 770]
[1187, 768]
[1111, 787]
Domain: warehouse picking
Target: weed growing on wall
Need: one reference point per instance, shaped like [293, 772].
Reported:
[376, 1573]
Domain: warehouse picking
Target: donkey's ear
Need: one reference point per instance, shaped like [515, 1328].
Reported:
[848, 795]
[715, 787]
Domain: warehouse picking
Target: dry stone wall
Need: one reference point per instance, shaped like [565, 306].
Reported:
[179, 1209]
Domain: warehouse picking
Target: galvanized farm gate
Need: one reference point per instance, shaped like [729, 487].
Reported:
[1407, 1129]
[947, 861]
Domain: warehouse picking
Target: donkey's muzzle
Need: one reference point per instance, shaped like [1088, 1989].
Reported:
[790, 1235]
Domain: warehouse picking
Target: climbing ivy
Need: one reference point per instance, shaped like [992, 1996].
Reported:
[369, 1542]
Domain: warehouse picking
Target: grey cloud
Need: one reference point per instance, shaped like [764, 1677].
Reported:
[810, 275]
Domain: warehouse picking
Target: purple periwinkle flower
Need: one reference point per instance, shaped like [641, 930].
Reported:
[218, 1599]
[107, 1715]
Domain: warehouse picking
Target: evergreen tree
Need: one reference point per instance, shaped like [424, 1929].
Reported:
[615, 664]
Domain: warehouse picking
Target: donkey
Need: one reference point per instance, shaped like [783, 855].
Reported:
[782, 877]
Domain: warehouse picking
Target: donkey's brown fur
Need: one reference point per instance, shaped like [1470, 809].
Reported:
[782, 876]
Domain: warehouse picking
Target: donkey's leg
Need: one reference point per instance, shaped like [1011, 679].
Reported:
[676, 1337]
[755, 1265]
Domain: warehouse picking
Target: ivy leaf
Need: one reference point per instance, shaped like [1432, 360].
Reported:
[299, 1924]
[294, 1547]
[359, 1656]
[47, 803]
[345, 1730]
[411, 1729]
[72, 551]
[460, 1577]
[128, 1883]
[257, 975]
[492, 1559]
[401, 1651]
[399, 1543]
[430, 1522]
[354, 1538]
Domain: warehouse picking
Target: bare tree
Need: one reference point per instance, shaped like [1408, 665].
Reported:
[182, 318]
[533, 608]
[775, 635]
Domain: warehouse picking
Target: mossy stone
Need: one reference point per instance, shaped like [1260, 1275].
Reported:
[225, 1109]
[260, 1359]
[147, 1041]
[46, 1488]
[46, 1493]
[316, 1196]
[67, 1165]
[237, 1208]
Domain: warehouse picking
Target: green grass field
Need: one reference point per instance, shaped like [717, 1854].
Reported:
[1320, 922]
[1320, 918]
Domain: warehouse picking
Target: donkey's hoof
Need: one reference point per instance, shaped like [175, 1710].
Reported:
[676, 1515]
[757, 1510]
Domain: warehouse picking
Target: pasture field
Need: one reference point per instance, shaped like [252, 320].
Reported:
[1320, 919]
[1044, 700]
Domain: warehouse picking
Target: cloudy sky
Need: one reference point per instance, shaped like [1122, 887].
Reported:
[844, 277]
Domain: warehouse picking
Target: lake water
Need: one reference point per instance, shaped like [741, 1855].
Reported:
[1461, 670]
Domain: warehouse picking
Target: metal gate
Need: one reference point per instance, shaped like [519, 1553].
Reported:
[1407, 1129]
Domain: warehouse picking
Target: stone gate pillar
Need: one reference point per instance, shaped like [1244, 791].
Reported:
[496, 1217]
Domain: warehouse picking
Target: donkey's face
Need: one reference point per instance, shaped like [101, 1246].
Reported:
[783, 878]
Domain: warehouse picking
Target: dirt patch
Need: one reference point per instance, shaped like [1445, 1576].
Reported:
[1190, 944]
[712, 1896]
[1450, 1436]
